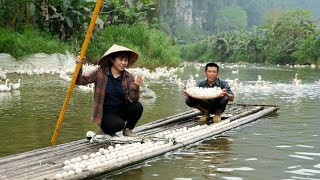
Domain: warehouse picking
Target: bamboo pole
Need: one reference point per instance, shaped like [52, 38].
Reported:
[77, 69]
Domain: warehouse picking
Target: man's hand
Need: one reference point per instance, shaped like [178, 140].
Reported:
[224, 93]
[229, 96]
[184, 91]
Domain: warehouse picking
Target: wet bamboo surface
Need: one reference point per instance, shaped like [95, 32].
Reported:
[45, 163]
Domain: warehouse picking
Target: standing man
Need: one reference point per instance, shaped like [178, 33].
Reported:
[212, 106]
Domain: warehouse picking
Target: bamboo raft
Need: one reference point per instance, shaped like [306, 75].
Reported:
[154, 139]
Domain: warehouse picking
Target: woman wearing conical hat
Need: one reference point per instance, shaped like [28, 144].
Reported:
[116, 94]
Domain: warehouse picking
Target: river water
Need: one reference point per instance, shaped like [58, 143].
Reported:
[282, 146]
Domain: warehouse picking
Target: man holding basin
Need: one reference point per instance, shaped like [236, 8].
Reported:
[215, 105]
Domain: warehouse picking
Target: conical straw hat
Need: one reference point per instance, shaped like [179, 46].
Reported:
[116, 48]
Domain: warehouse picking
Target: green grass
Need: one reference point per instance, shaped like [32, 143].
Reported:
[154, 48]
[30, 42]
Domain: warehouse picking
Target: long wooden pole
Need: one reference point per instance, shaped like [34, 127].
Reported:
[77, 69]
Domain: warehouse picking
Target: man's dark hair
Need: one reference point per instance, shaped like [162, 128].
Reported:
[212, 65]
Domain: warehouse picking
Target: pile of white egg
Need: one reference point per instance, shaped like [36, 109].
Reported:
[184, 134]
[204, 93]
[121, 154]
[110, 157]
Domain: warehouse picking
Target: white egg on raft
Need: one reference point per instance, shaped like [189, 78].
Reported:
[71, 173]
[65, 174]
[82, 166]
[93, 155]
[73, 160]
[103, 159]
[101, 150]
[78, 171]
[78, 159]
[105, 152]
[99, 165]
[90, 168]
[58, 176]
[97, 157]
[67, 162]
[85, 157]
[75, 167]
[110, 147]
[96, 161]
[66, 168]
[71, 166]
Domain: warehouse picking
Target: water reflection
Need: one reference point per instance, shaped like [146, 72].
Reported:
[4, 97]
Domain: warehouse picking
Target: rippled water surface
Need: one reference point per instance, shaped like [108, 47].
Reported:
[282, 146]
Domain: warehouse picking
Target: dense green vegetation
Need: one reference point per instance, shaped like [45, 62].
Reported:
[237, 13]
[154, 47]
[286, 39]
[257, 31]
[61, 25]
[31, 41]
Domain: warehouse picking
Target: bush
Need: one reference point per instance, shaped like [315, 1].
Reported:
[191, 52]
[30, 41]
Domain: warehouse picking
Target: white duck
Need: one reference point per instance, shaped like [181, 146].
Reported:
[16, 86]
[87, 88]
[63, 75]
[6, 88]
[2, 75]
[262, 84]
[235, 72]
[296, 81]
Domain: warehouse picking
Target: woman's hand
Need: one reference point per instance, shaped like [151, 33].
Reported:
[139, 80]
[80, 61]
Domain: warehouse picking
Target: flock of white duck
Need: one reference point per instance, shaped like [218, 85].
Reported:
[65, 73]
[169, 74]
[7, 87]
